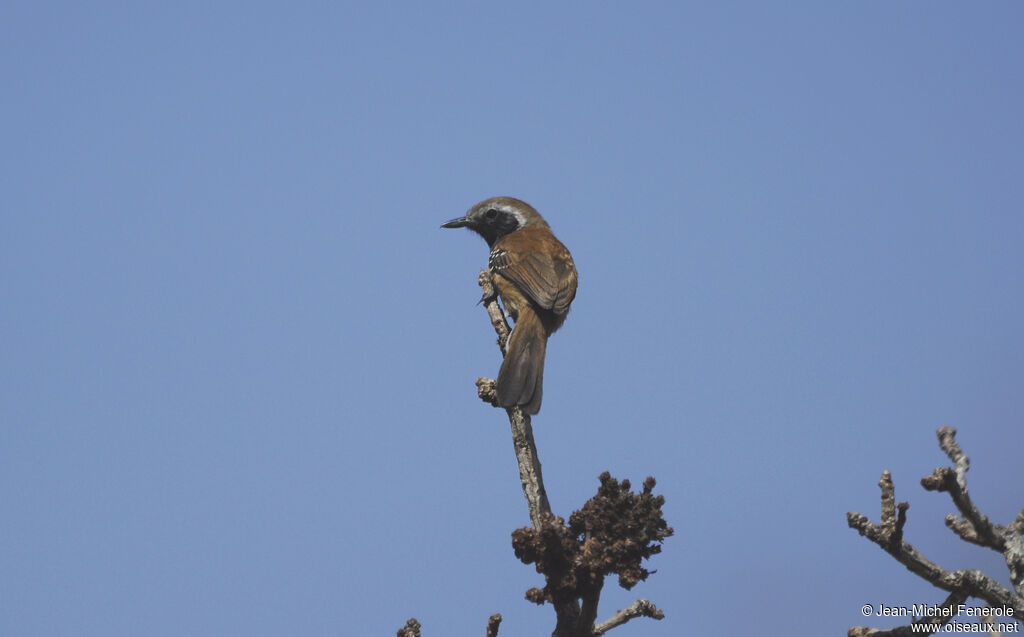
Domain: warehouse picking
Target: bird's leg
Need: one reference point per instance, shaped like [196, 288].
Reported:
[486, 283]
[491, 294]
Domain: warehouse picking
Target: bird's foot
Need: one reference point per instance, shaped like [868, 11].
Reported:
[488, 296]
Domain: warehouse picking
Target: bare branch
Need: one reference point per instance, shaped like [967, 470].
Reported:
[973, 527]
[566, 611]
[1014, 553]
[522, 429]
[639, 608]
[901, 521]
[490, 301]
[411, 628]
[887, 535]
[588, 609]
[892, 525]
[573, 619]
[487, 390]
[1018, 524]
[529, 465]
[492, 625]
[947, 441]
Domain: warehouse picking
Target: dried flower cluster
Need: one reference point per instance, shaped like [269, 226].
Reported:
[613, 532]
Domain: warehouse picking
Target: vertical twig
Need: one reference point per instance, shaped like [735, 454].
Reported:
[567, 612]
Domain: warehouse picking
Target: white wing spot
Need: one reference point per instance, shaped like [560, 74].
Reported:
[494, 257]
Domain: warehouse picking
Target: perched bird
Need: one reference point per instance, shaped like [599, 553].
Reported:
[535, 277]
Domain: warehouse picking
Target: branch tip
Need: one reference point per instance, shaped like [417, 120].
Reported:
[411, 629]
[639, 608]
[492, 625]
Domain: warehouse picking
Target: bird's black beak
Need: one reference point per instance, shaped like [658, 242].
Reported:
[461, 222]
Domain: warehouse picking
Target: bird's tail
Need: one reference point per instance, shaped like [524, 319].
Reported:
[521, 379]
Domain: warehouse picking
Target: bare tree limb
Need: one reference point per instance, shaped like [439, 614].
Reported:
[613, 532]
[973, 582]
[1015, 552]
[573, 619]
[588, 609]
[973, 526]
[490, 301]
[947, 441]
[639, 608]
[522, 429]
[892, 524]
[566, 611]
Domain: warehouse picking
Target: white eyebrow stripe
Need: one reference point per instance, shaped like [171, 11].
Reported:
[512, 210]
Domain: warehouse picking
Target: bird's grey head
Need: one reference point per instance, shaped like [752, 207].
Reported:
[496, 217]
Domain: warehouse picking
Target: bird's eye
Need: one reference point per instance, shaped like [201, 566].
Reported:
[491, 213]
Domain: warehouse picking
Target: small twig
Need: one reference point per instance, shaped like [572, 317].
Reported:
[411, 628]
[529, 465]
[639, 608]
[947, 441]
[975, 526]
[487, 390]
[892, 524]
[522, 429]
[492, 625]
[490, 301]
[567, 612]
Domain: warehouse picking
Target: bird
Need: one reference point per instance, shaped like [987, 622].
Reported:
[535, 277]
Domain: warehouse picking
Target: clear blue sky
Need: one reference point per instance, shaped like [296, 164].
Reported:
[238, 353]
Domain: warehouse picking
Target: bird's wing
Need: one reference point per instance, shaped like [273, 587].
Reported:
[539, 265]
